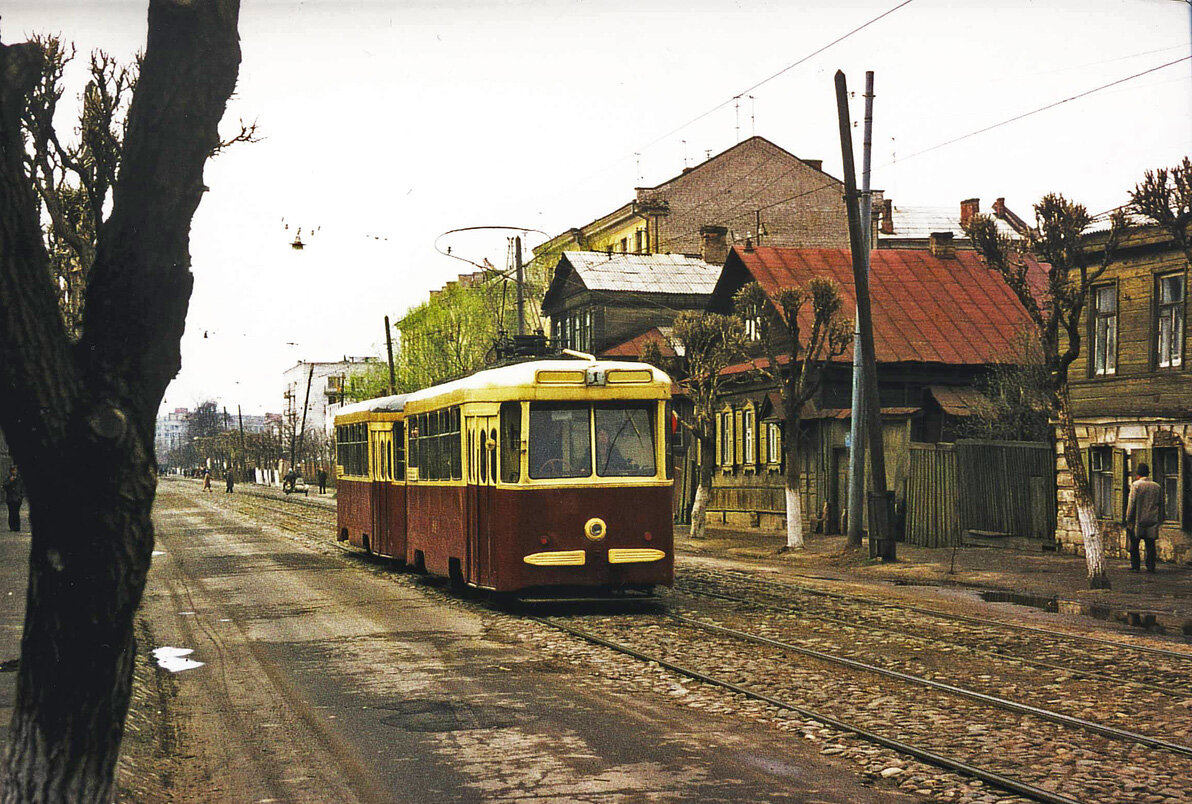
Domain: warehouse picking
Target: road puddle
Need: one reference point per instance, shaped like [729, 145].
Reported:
[1149, 621]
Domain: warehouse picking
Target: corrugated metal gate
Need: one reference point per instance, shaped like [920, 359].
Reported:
[991, 486]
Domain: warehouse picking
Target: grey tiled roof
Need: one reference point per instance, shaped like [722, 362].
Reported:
[920, 222]
[644, 273]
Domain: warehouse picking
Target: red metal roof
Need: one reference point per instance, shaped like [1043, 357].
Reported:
[632, 348]
[926, 309]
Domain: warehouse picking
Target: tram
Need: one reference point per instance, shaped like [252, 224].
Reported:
[548, 476]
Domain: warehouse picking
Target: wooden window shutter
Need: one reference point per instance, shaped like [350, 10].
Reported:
[739, 439]
[1120, 484]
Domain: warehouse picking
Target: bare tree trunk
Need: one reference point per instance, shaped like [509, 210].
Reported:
[703, 490]
[1092, 532]
[80, 419]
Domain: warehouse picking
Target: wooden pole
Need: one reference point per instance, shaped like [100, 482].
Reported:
[881, 538]
[521, 286]
[389, 350]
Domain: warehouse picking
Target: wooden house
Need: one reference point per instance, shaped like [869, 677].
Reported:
[940, 319]
[601, 299]
[1131, 390]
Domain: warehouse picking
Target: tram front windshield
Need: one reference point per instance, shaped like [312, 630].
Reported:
[561, 440]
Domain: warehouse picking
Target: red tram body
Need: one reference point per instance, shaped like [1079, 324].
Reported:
[549, 476]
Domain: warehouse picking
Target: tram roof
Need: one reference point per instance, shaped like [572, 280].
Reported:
[382, 404]
[552, 379]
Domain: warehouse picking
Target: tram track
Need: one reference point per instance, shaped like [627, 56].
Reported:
[1001, 781]
[1162, 667]
[931, 727]
[1038, 754]
[1077, 673]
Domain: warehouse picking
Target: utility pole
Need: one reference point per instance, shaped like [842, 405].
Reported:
[856, 455]
[521, 286]
[299, 435]
[389, 350]
[243, 457]
[881, 539]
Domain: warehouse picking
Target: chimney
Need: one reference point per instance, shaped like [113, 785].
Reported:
[940, 245]
[715, 244]
[818, 164]
[887, 216]
[999, 207]
[968, 208]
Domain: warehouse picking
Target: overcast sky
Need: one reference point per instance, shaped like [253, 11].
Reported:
[386, 124]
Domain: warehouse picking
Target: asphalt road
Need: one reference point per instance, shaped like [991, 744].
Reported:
[327, 681]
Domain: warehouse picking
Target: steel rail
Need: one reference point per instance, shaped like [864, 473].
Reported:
[1076, 671]
[930, 757]
[943, 615]
[981, 697]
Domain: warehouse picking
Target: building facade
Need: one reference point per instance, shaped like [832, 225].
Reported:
[1131, 392]
[940, 319]
[755, 190]
[311, 389]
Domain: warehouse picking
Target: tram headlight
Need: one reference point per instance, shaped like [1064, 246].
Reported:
[595, 529]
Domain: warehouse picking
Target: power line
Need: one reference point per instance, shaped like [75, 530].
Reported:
[834, 183]
[783, 71]
[1025, 115]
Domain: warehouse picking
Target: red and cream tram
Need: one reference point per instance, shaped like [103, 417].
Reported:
[549, 475]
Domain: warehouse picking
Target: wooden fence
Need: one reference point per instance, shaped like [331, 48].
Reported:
[986, 486]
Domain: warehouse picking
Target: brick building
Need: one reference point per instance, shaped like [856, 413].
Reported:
[755, 190]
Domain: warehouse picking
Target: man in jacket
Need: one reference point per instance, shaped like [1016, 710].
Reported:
[14, 495]
[1143, 514]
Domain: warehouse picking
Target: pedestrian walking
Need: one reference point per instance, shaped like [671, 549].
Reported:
[321, 475]
[206, 480]
[1143, 514]
[230, 481]
[14, 495]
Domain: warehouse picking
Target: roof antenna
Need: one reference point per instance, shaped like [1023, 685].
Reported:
[638, 159]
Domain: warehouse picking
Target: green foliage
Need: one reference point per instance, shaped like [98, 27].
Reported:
[369, 381]
[452, 333]
[709, 343]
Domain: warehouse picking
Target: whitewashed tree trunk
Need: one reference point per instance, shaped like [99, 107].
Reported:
[794, 519]
[1091, 530]
[699, 512]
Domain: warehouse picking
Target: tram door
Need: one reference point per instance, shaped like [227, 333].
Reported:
[482, 481]
[381, 451]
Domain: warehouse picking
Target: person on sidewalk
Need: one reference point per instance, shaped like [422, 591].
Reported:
[230, 482]
[322, 478]
[14, 495]
[1143, 513]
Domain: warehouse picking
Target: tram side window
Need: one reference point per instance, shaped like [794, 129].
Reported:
[399, 451]
[435, 445]
[352, 448]
[415, 456]
[560, 440]
[510, 442]
[625, 440]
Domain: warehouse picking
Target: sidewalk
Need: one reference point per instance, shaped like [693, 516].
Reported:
[1161, 601]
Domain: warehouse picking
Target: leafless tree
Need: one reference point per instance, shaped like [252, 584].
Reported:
[709, 343]
[1165, 197]
[79, 416]
[797, 343]
[1055, 303]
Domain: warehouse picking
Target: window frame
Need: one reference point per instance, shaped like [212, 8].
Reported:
[1101, 475]
[1103, 349]
[1173, 312]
